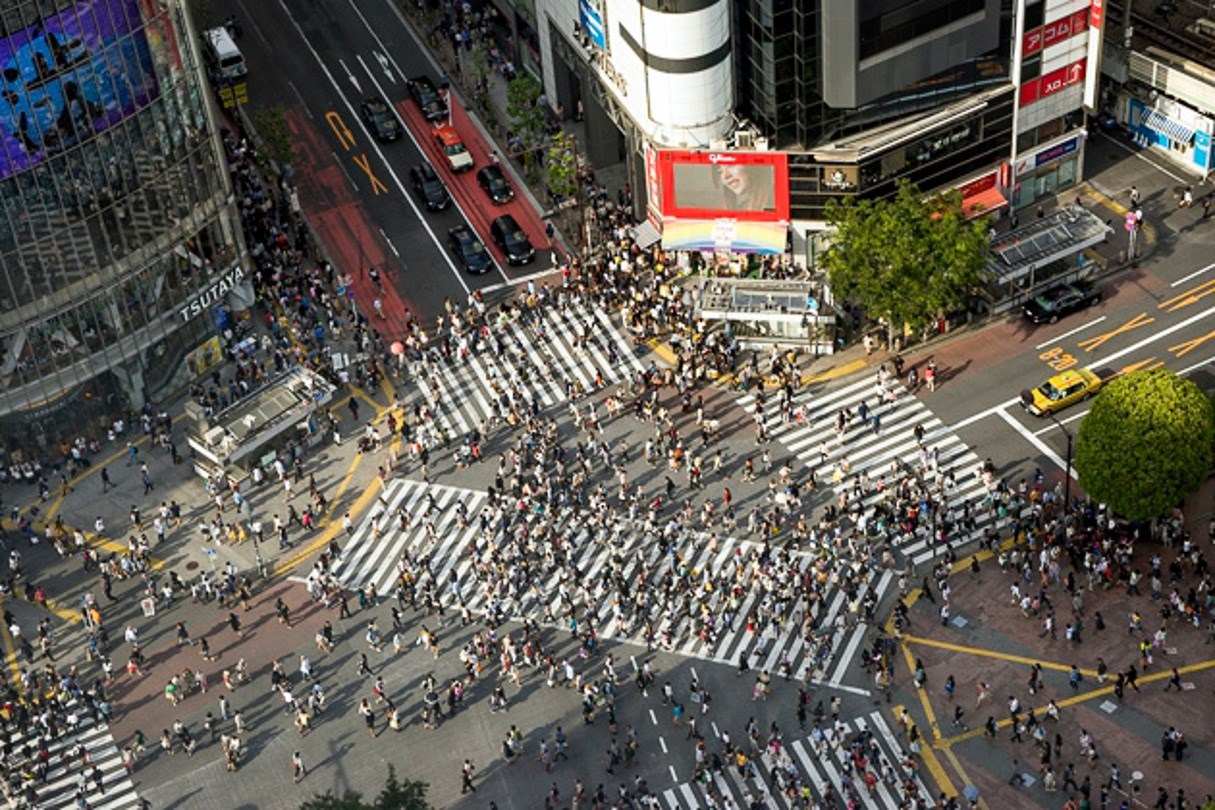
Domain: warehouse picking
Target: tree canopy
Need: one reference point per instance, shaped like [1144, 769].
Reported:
[909, 259]
[1147, 442]
[396, 795]
[523, 108]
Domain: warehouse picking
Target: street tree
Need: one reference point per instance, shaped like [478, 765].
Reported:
[270, 124]
[1147, 442]
[396, 795]
[561, 166]
[523, 108]
[908, 260]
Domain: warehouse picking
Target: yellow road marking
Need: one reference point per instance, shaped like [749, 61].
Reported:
[1187, 346]
[961, 772]
[1145, 365]
[1002, 656]
[1190, 296]
[10, 655]
[1155, 677]
[1139, 320]
[929, 758]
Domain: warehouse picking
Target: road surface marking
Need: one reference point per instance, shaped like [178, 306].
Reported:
[1032, 439]
[395, 252]
[653, 718]
[1139, 320]
[1193, 275]
[1001, 656]
[1188, 297]
[512, 282]
[662, 741]
[1069, 334]
[391, 171]
[1143, 157]
[1187, 346]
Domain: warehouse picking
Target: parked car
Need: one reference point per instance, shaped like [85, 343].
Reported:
[1061, 390]
[453, 148]
[1062, 299]
[507, 235]
[431, 102]
[496, 186]
[380, 119]
[469, 250]
[429, 188]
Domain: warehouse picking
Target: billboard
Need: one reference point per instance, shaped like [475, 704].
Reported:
[743, 186]
[590, 15]
[70, 76]
[725, 235]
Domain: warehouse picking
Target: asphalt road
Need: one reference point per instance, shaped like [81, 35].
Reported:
[319, 58]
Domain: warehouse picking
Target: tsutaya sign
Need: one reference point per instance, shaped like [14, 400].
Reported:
[212, 293]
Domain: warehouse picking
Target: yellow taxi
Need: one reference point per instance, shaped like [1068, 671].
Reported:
[1061, 390]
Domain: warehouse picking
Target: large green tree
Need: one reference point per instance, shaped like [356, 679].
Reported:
[908, 259]
[396, 795]
[1147, 442]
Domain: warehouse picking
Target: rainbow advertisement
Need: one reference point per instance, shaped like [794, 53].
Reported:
[724, 234]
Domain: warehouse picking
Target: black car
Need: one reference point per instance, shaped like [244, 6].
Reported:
[423, 91]
[495, 184]
[429, 188]
[1060, 300]
[380, 119]
[507, 235]
[468, 248]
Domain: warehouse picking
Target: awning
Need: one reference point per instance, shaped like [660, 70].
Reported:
[982, 203]
[1166, 126]
[644, 234]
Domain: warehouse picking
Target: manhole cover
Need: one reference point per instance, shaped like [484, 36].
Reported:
[191, 565]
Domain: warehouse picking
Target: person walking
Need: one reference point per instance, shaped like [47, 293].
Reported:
[466, 777]
[298, 771]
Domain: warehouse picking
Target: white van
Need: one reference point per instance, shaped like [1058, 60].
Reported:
[227, 62]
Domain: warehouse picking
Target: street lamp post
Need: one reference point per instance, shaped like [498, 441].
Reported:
[1027, 399]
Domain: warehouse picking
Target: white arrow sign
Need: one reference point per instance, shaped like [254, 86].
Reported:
[384, 66]
[350, 76]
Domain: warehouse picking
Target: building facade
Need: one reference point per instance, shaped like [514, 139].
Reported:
[858, 94]
[119, 234]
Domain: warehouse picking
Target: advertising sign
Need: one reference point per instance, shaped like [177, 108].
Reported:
[590, 15]
[1096, 33]
[653, 182]
[1044, 36]
[1056, 152]
[70, 76]
[724, 235]
[745, 186]
[1051, 83]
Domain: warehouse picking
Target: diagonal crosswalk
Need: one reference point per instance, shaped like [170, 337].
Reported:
[571, 348]
[863, 460]
[835, 765]
[65, 782]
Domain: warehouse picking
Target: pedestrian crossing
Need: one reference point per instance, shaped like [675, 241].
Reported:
[604, 553]
[834, 765]
[574, 346]
[65, 782]
[865, 450]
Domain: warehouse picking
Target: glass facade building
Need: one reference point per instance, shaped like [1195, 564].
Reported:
[117, 214]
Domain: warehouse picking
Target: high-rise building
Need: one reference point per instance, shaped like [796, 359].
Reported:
[845, 97]
[119, 233]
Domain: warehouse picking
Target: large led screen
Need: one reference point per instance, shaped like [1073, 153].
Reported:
[747, 186]
[70, 76]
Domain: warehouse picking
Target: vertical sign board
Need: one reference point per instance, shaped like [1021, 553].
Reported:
[653, 186]
[1096, 30]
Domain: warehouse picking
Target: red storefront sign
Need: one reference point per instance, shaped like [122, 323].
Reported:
[1052, 82]
[1096, 15]
[1057, 31]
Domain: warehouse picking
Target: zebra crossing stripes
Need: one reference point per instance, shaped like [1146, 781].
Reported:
[601, 553]
[578, 344]
[824, 767]
[814, 441]
[63, 783]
